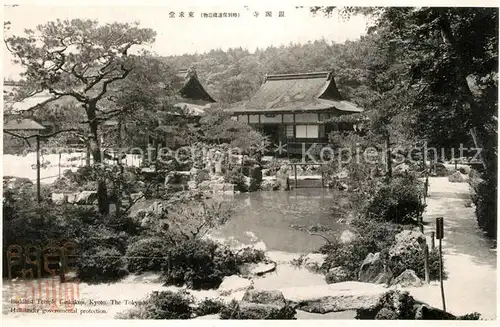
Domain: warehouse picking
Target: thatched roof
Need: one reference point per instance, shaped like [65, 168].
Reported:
[192, 96]
[296, 93]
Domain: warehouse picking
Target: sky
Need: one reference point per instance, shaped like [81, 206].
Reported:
[177, 35]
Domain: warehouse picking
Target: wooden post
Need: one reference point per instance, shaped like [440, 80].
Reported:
[433, 240]
[441, 274]
[295, 168]
[426, 262]
[59, 164]
[322, 177]
[439, 236]
[38, 193]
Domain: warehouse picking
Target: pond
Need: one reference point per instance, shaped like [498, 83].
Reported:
[268, 216]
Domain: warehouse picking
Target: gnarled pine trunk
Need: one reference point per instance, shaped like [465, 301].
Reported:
[95, 148]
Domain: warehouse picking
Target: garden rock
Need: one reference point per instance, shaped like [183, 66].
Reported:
[265, 297]
[59, 198]
[269, 184]
[314, 261]
[232, 284]
[86, 197]
[335, 297]
[262, 268]
[408, 278]
[347, 236]
[456, 177]
[72, 197]
[373, 270]
[337, 275]
[426, 312]
[440, 170]
[393, 305]
[407, 242]
[264, 305]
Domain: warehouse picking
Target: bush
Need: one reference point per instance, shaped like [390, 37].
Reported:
[255, 178]
[249, 255]
[383, 234]
[470, 316]
[200, 264]
[94, 236]
[349, 255]
[415, 261]
[484, 196]
[209, 307]
[398, 201]
[162, 305]
[236, 178]
[101, 264]
[154, 252]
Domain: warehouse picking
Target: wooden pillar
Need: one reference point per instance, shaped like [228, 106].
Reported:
[295, 169]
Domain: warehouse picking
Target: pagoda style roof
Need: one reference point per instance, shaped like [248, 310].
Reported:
[296, 93]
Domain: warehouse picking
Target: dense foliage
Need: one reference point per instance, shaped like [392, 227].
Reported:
[162, 305]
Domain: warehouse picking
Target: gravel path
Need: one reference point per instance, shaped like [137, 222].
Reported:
[468, 256]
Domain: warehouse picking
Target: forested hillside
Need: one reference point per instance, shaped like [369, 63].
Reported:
[234, 75]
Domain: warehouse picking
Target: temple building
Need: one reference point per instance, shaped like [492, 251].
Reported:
[294, 109]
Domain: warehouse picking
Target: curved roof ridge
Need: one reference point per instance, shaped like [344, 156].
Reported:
[280, 77]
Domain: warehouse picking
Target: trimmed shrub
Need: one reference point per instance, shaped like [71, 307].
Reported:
[484, 196]
[162, 305]
[255, 178]
[209, 307]
[236, 178]
[199, 264]
[101, 264]
[398, 201]
[383, 234]
[349, 255]
[415, 261]
[148, 254]
[249, 255]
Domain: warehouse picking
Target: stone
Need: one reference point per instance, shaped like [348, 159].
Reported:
[191, 185]
[209, 317]
[426, 312]
[72, 197]
[402, 168]
[264, 297]
[337, 275]
[262, 304]
[232, 284]
[408, 278]
[456, 177]
[270, 184]
[373, 270]
[407, 242]
[440, 170]
[256, 311]
[313, 261]
[335, 297]
[258, 269]
[347, 236]
[59, 198]
[393, 305]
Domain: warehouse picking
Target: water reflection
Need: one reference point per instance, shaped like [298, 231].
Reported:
[268, 215]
